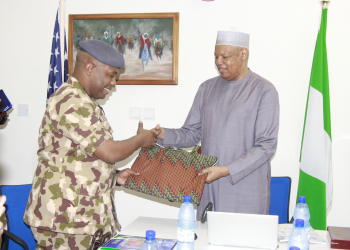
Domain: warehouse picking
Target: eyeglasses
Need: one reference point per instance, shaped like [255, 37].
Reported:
[99, 239]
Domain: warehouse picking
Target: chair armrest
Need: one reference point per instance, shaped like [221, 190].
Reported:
[8, 235]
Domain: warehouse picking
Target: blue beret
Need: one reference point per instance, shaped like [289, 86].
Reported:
[103, 52]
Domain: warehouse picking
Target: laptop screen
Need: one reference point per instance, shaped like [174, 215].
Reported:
[244, 230]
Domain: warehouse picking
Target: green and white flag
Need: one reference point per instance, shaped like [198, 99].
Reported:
[315, 179]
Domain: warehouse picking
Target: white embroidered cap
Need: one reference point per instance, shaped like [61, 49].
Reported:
[233, 37]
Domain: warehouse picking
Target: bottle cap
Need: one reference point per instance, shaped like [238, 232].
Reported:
[294, 248]
[150, 235]
[302, 199]
[187, 198]
[299, 223]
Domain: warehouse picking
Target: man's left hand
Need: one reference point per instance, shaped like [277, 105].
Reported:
[124, 174]
[214, 173]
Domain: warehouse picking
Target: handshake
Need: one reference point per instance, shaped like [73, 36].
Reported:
[149, 137]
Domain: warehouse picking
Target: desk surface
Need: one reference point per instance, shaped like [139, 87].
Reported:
[167, 228]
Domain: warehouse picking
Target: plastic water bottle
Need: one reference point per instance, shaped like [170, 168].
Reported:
[294, 248]
[302, 212]
[150, 243]
[298, 236]
[185, 227]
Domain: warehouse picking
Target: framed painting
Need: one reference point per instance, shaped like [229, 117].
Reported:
[148, 42]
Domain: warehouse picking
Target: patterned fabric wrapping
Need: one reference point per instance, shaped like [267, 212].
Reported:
[170, 173]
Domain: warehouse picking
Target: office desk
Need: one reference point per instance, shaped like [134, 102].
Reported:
[167, 228]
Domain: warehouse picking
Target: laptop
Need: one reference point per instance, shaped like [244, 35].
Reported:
[242, 230]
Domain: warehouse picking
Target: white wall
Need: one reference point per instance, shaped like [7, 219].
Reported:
[283, 36]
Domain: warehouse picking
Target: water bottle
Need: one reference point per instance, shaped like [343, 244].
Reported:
[185, 227]
[294, 248]
[302, 212]
[149, 243]
[298, 236]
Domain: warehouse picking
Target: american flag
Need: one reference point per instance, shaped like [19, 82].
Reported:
[55, 71]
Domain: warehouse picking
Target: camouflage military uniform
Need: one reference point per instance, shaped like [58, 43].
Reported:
[72, 188]
[49, 240]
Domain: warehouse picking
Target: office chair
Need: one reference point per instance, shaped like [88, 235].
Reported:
[280, 193]
[17, 198]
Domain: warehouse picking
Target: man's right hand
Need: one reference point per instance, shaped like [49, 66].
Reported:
[159, 131]
[149, 138]
[112, 151]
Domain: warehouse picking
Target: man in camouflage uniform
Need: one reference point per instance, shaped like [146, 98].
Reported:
[72, 194]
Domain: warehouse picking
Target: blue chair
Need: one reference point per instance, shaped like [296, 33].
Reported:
[17, 198]
[280, 193]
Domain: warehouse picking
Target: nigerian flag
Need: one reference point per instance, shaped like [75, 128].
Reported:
[315, 178]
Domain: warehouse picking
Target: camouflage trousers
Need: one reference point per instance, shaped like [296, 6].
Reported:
[50, 240]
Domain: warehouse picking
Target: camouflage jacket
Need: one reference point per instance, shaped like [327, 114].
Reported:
[72, 188]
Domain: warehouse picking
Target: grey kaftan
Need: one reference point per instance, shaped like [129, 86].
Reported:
[236, 121]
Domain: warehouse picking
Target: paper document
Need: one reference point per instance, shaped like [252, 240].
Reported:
[284, 230]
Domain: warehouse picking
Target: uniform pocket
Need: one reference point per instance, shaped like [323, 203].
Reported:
[91, 207]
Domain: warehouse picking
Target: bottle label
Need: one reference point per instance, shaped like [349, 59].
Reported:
[185, 235]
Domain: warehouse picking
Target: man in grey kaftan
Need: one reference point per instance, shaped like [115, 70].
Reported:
[236, 118]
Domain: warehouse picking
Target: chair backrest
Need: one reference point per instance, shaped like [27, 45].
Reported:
[17, 198]
[280, 193]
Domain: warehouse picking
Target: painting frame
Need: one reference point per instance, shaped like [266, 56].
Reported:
[138, 80]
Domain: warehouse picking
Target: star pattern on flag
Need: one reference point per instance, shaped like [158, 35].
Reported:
[57, 36]
[49, 87]
[55, 69]
[56, 52]
[55, 86]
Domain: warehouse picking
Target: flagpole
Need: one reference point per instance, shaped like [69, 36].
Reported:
[62, 29]
[325, 4]
[329, 186]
